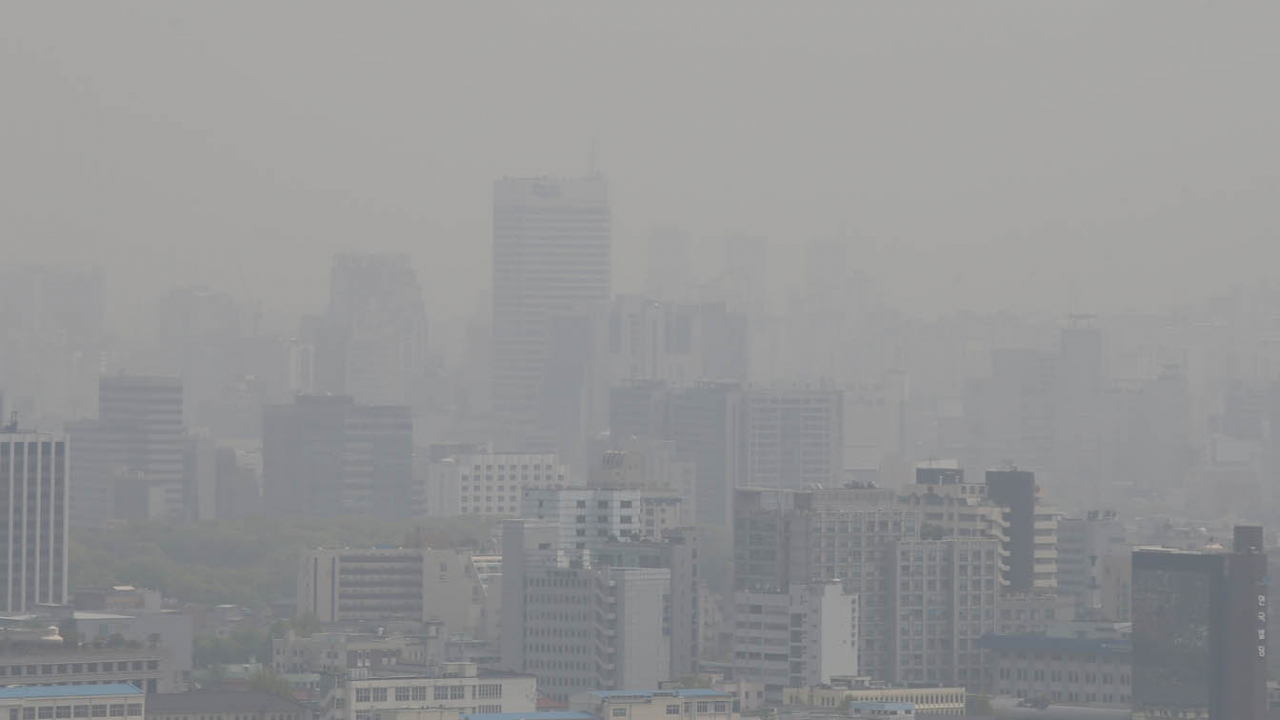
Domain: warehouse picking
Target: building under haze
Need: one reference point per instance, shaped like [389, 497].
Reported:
[131, 462]
[552, 257]
[325, 455]
[795, 437]
[1199, 631]
[376, 329]
[34, 520]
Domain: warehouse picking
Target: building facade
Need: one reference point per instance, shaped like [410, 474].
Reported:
[800, 638]
[148, 669]
[552, 256]
[1199, 631]
[795, 437]
[34, 520]
[117, 700]
[489, 484]
[588, 516]
[459, 686]
[324, 456]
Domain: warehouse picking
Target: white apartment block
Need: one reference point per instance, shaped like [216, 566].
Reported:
[489, 484]
[799, 638]
[460, 687]
[590, 515]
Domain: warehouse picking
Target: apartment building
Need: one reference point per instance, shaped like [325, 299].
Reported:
[489, 484]
[941, 700]
[224, 705]
[802, 637]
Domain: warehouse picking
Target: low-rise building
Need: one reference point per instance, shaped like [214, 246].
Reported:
[697, 704]
[457, 686]
[1089, 665]
[148, 669]
[110, 700]
[415, 584]
[224, 705]
[844, 692]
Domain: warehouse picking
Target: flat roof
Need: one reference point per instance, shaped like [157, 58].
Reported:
[37, 691]
[544, 715]
[682, 693]
[1044, 643]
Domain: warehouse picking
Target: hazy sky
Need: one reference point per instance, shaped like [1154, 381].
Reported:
[1069, 155]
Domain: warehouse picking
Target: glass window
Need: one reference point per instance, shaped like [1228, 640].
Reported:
[45, 713]
[63, 711]
[135, 709]
[673, 709]
[81, 711]
[619, 712]
[99, 711]
[116, 710]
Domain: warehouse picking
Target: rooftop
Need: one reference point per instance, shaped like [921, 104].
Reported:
[33, 691]
[690, 693]
[1044, 643]
[219, 701]
[546, 715]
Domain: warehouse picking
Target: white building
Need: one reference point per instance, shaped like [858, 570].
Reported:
[459, 687]
[34, 474]
[489, 484]
[589, 515]
[798, 638]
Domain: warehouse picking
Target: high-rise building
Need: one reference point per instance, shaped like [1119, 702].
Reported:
[141, 421]
[34, 520]
[378, 327]
[552, 256]
[938, 591]
[578, 626]
[326, 455]
[1032, 531]
[588, 516]
[1199, 631]
[795, 437]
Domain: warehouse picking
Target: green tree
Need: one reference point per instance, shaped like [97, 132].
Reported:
[268, 680]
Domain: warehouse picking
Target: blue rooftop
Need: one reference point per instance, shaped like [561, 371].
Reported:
[691, 693]
[68, 691]
[1043, 643]
[549, 715]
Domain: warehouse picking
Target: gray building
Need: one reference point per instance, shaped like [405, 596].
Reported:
[706, 422]
[552, 257]
[34, 476]
[576, 626]
[327, 455]
[1085, 546]
[148, 669]
[795, 437]
[378, 326]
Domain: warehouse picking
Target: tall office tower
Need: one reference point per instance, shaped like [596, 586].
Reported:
[33, 519]
[552, 255]
[1032, 531]
[1199, 632]
[795, 437]
[378, 326]
[326, 455]
[141, 417]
